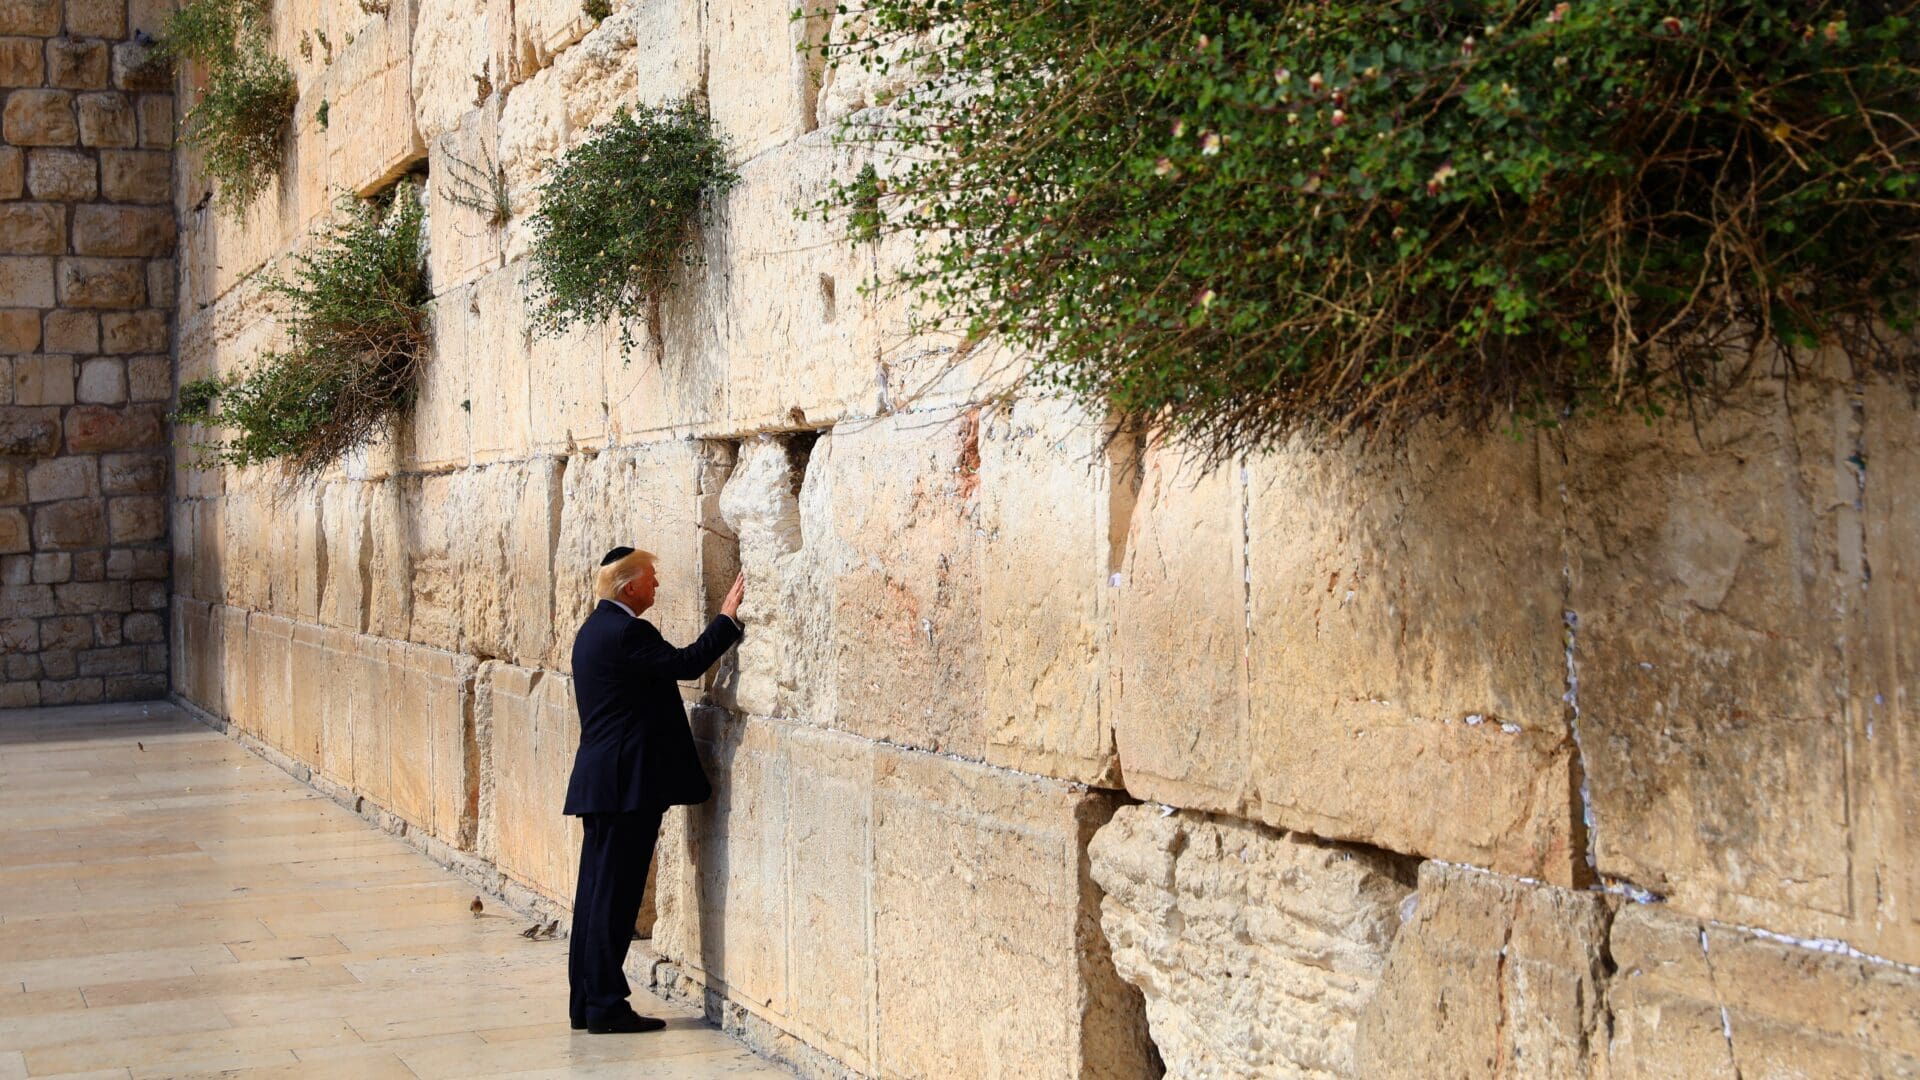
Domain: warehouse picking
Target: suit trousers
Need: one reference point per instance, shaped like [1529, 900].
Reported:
[614, 854]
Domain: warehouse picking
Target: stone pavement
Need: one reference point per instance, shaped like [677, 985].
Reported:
[171, 905]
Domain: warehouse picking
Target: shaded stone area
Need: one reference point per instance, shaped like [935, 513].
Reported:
[86, 298]
[175, 906]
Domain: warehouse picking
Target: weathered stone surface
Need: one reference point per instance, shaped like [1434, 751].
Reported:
[149, 378]
[528, 730]
[1257, 951]
[783, 667]
[371, 96]
[62, 175]
[762, 87]
[13, 172]
[97, 18]
[1491, 977]
[124, 230]
[26, 282]
[96, 428]
[39, 118]
[136, 176]
[19, 331]
[133, 474]
[29, 432]
[21, 62]
[52, 568]
[1694, 999]
[137, 66]
[102, 381]
[156, 121]
[63, 478]
[38, 17]
[77, 65]
[468, 234]
[448, 57]
[102, 283]
[107, 119]
[14, 534]
[136, 519]
[74, 523]
[13, 482]
[32, 229]
[43, 380]
[73, 332]
[496, 359]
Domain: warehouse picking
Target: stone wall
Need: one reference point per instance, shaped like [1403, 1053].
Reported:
[1048, 754]
[86, 298]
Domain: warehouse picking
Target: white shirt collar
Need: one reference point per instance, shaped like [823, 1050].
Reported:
[630, 612]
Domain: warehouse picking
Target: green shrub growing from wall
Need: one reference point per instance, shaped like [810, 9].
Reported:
[239, 122]
[358, 325]
[619, 213]
[1244, 220]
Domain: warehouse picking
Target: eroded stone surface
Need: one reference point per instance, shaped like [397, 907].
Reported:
[1257, 951]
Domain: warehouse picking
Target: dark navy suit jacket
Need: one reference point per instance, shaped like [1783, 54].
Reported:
[636, 750]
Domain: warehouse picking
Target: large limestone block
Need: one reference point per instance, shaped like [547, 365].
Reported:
[196, 653]
[1257, 951]
[1719, 580]
[527, 730]
[370, 104]
[1045, 496]
[465, 239]
[365, 533]
[984, 908]
[725, 869]
[1180, 637]
[762, 87]
[648, 498]
[904, 552]
[504, 569]
[436, 434]
[427, 707]
[264, 658]
[1705, 1000]
[568, 402]
[310, 688]
[802, 345]
[452, 50]
[495, 359]
[829, 833]
[1491, 976]
[1379, 635]
[442, 530]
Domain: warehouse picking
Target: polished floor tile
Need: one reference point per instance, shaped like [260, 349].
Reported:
[173, 906]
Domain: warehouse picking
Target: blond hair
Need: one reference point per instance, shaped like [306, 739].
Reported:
[611, 578]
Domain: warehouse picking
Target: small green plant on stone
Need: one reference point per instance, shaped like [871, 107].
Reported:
[480, 187]
[619, 213]
[358, 325]
[1247, 219]
[597, 9]
[240, 121]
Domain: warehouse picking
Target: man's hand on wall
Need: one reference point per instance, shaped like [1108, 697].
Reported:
[730, 607]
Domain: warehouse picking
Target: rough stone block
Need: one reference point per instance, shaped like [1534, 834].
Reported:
[21, 62]
[1180, 637]
[783, 667]
[77, 65]
[13, 482]
[526, 719]
[107, 119]
[137, 66]
[98, 428]
[19, 636]
[125, 230]
[14, 535]
[1700, 999]
[156, 121]
[75, 523]
[761, 85]
[71, 692]
[39, 118]
[29, 432]
[144, 628]
[371, 96]
[135, 687]
[43, 380]
[436, 433]
[73, 332]
[497, 357]
[1491, 977]
[63, 478]
[1257, 951]
[103, 381]
[796, 335]
[504, 577]
[136, 519]
[40, 18]
[62, 175]
[88, 566]
[137, 176]
[97, 18]
[13, 172]
[124, 660]
[149, 378]
[467, 238]
[20, 331]
[906, 620]
[1711, 577]
[133, 474]
[1046, 500]
[197, 653]
[430, 781]
[102, 283]
[19, 695]
[27, 282]
[52, 568]
[66, 632]
[32, 229]
[568, 404]
[27, 601]
[983, 906]
[91, 596]
[448, 56]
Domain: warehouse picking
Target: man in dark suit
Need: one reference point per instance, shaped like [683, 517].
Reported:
[636, 758]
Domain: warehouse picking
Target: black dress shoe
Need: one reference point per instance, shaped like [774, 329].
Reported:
[578, 1024]
[629, 1023]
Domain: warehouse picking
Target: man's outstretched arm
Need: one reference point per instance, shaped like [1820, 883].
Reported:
[653, 655]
